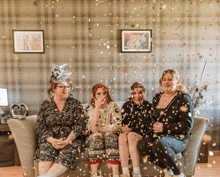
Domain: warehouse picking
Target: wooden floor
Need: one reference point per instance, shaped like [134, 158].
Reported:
[210, 169]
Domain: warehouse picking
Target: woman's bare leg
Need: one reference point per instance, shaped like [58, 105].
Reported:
[44, 167]
[133, 139]
[115, 169]
[123, 149]
[56, 170]
[94, 168]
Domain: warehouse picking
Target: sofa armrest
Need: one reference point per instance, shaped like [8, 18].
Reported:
[192, 150]
[23, 132]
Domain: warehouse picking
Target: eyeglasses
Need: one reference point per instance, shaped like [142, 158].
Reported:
[63, 87]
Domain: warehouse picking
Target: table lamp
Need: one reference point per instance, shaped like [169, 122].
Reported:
[3, 100]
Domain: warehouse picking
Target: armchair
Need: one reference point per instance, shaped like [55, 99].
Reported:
[23, 132]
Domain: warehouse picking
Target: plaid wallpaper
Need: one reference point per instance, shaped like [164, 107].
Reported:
[86, 34]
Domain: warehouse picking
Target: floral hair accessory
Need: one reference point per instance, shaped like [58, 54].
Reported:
[59, 74]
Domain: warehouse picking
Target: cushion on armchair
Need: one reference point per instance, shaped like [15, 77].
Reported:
[23, 132]
[192, 150]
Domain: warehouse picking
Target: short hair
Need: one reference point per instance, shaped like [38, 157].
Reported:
[54, 85]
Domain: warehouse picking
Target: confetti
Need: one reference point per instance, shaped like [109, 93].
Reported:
[211, 153]
[206, 138]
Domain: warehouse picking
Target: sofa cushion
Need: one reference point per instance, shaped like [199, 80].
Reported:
[23, 132]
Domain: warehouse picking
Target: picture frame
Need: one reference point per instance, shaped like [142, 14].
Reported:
[136, 41]
[28, 41]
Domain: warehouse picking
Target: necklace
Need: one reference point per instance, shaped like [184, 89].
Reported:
[169, 95]
[165, 100]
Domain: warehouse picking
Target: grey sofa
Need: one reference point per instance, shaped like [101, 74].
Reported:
[23, 132]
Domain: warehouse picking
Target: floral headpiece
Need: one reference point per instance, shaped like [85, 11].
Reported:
[59, 74]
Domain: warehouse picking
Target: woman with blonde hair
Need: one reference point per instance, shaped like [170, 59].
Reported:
[135, 121]
[172, 113]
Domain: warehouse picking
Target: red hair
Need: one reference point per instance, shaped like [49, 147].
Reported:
[94, 90]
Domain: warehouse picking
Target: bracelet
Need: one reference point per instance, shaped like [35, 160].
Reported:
[110, 127]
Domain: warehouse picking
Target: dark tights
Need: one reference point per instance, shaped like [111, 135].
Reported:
[164, 149]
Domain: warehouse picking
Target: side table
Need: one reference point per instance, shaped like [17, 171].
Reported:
[5, 128]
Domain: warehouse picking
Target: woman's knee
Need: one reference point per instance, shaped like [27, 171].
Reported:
[159, 145]
[141, 146]
[95, 139]
[47, 152]
[122, 139]
[144, 146]
[111, 141]
[131, 136]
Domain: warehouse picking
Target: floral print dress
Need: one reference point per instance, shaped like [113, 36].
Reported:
[53, 123]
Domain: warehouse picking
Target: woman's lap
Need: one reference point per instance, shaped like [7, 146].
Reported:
[103, 144]
[67, 156]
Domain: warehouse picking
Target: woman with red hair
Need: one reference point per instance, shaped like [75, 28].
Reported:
[104, 122]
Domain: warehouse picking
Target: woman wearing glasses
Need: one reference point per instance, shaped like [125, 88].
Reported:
[60, 127]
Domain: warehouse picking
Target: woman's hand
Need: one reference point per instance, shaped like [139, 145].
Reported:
[108, 128]
[61, 144]
[158, 127]
[57, 143]
[125, 129]
[111, 128]
[99, 102]
[182, 88]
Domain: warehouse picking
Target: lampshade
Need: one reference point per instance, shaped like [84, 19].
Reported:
[3, 97]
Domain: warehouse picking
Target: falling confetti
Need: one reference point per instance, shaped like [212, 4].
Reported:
[206, 138]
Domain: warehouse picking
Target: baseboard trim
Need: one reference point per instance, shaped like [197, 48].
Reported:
[216, 153]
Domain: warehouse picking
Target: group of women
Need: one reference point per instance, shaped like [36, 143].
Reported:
[157, 130]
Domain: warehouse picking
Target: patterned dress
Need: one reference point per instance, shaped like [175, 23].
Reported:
[104, 144]
[53, 123]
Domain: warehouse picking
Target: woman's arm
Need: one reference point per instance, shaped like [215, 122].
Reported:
[93, 114]
[71, 137]
[60, 143]
[185, 118]
[118, 118]
[79, 127]
[125, 114]
[42, 130]
[95, 123]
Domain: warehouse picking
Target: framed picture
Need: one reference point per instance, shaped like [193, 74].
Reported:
[137, 41]
[28, 41]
